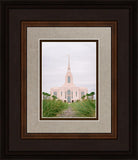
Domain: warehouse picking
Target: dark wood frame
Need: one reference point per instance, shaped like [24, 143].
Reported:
[74, 118]
[24, 134]
[126, 13]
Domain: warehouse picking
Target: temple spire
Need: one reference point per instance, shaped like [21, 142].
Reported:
[68, 62]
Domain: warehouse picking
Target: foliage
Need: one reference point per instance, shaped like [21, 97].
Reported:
[54, 97]
[87, 95]
[78, 100]
[83, 97]
[90, 94]
[45, 93]
[85, 108]
[52, 107]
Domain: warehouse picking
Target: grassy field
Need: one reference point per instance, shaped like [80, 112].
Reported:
[85, 108]
[52, 107]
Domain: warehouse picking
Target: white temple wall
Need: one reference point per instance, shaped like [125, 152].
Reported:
[65, 90]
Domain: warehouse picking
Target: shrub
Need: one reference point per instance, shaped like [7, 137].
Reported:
[52, 107]
[84, 108]
[78, 101]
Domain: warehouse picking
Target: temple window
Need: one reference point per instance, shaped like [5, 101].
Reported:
[68, 79]
[82, 94]
[68, 92]
[55, 93]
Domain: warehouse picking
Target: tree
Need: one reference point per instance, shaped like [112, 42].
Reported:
[87, 95]
[54, 97]
[92, 94]
[46, 95]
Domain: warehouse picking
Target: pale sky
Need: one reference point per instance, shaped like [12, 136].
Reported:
[82, 63]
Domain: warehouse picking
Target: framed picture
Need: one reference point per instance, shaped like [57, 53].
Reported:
[68, 80]
[67, 101]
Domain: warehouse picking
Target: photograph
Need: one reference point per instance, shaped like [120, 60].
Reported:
[68, 77]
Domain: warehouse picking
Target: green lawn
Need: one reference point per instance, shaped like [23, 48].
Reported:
[85, 108]
[52, 107]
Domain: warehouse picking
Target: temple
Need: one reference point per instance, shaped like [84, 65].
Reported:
[69, 92]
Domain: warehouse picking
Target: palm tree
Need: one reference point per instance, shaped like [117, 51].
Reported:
[92, 94]
[54, 97]
[46, 95]
[87, 95]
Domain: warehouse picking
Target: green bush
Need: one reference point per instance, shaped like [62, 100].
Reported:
[52, 107]
[78, 100]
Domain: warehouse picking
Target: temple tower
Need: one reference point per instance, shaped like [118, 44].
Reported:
[68, 77]
[69, 92]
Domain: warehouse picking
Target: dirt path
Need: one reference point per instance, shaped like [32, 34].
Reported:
[67, 113]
